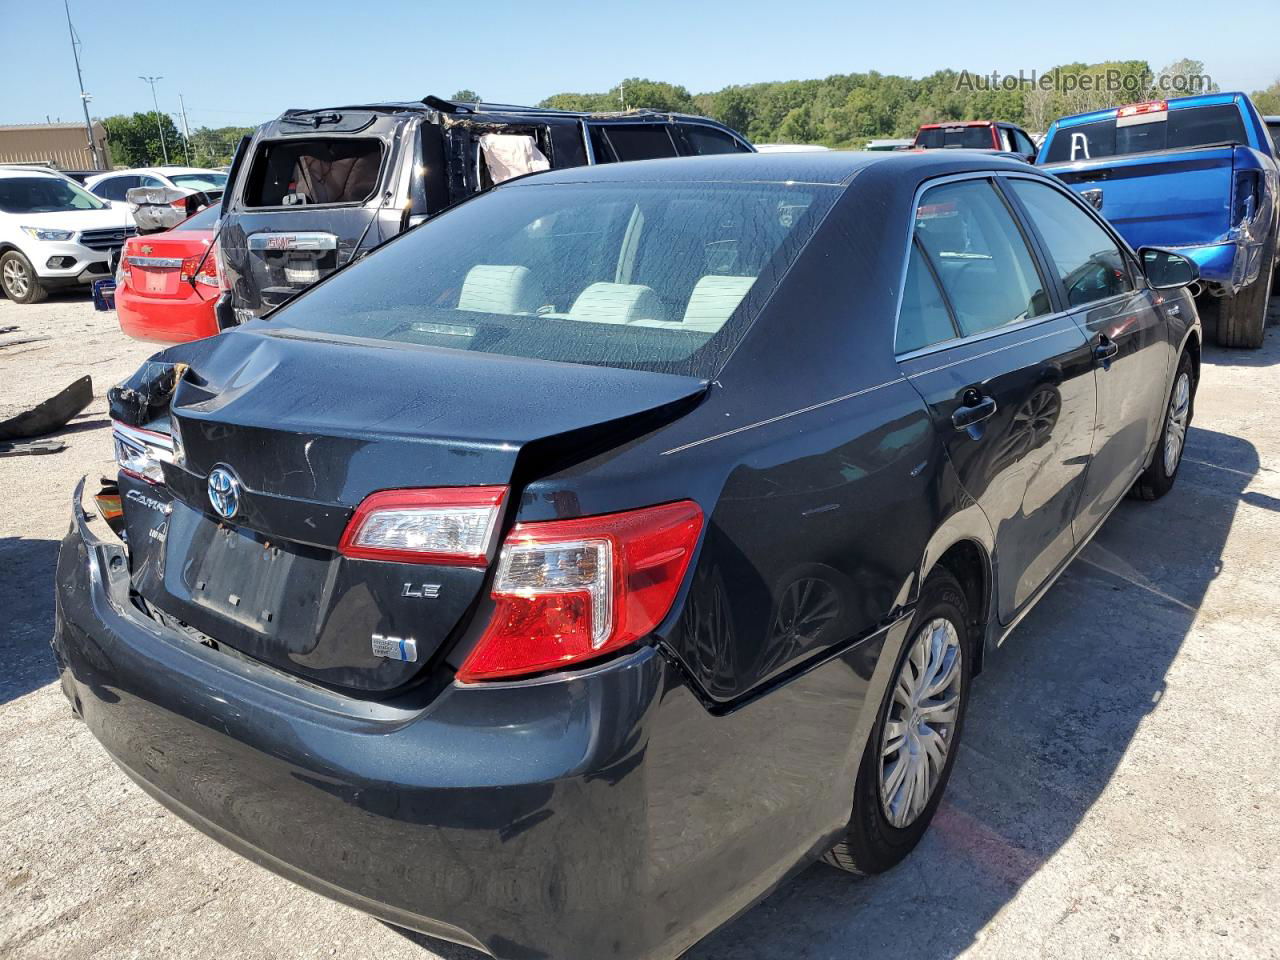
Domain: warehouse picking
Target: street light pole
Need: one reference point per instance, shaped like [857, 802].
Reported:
[164, 149]
[186, 131]
[99, 161]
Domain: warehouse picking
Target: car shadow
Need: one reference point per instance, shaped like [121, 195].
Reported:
[1050, 718]
[26, 599]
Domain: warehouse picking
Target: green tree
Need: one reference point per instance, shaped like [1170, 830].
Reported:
[134, 140]
[466, 96]
[215, 146]
[1268, 100]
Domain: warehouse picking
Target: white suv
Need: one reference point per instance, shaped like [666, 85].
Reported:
[115, 184]
[54, 233]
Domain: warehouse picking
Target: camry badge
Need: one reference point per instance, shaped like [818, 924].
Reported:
[224, 492]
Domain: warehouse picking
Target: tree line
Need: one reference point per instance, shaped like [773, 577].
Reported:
[842, 110]
[848, 109]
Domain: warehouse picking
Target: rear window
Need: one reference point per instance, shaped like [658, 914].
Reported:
[663, 277]
[1176, 129]
[200, 181]
[204, 220]
[968, 138]
[313, 171]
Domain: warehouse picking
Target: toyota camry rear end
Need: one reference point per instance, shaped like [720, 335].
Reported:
[448, 589]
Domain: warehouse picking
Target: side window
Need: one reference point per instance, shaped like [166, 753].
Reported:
[706, 140]
[640, 141]
[114, 188]
[1023, 144]
[1007, 141]
[924, 318]
[982, 259]
[148, 181]
[1088, 261]
[600, 145]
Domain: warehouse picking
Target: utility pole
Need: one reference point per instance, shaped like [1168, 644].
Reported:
[622, 94]
[164, 149]
[99, 161]
[186, 131]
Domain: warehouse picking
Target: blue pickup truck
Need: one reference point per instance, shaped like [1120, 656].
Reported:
[1197, 174]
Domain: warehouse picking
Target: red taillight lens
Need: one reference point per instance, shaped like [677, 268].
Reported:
[449, 525]
[1138, 109]
[567, 591]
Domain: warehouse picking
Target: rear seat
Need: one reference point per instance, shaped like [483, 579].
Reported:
[616, 303]
[493, 288]
[712, 302]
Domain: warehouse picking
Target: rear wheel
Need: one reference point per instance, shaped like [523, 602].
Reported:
[1242, 319]
[908, 757]
[1157, 479]
[21, 285]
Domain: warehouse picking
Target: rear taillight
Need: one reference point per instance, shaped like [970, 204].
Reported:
[567, 591]
[450, 525]
[141, 453]
[1246, 192]
[202, 269]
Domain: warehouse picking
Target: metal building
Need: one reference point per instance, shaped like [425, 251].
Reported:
[64, 145]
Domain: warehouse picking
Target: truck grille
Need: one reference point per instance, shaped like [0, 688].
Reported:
[112, 239]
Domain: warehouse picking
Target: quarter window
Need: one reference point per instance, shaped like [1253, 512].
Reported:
[1087, 260]
[640, 141]
[924, 319]
[980, 255]
[704, 140]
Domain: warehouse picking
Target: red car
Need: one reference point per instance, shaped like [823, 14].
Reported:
[168, 283]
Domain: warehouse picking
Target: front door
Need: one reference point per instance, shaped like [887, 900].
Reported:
[1007, 376]
[1125, 330]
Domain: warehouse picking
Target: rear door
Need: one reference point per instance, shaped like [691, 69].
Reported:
[1125, 328]
[1006, 372]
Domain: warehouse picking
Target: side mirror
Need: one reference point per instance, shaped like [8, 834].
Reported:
[1167, 270]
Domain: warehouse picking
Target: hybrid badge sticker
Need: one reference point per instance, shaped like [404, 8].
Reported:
[224, 492]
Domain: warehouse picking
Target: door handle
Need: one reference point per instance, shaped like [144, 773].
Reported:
[973, 409]
[1105, 351]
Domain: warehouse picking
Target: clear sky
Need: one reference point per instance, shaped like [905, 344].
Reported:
[244, 62]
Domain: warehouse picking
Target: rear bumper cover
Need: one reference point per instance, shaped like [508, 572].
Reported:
[1232, 264]
[600, 814]
[165, 320]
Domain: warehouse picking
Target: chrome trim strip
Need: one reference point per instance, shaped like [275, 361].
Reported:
[157, 263]
[292, 241]
[781, 416]
[1008, 346]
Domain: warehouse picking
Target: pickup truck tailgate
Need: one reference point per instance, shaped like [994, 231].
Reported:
[1164, 199]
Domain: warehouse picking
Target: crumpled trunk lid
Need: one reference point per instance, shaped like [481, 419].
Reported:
[310, 427]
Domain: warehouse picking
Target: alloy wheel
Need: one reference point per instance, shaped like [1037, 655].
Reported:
[1175, 431]
[921, 722]
[16, 279]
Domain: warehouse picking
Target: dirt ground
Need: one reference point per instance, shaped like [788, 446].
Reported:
[1117, 794]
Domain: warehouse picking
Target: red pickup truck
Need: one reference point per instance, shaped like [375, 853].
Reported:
[976, 135]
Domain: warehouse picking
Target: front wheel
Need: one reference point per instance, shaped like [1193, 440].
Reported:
[911, 750]
[21, 285]
[1157, 479]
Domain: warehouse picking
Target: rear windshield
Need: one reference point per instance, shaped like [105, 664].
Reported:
[313, 171]
[1170, 130]
[968, 138]
[44, 195]
[663, 277]
[204, 220]
[200, 181]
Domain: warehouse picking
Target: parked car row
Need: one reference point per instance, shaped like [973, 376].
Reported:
[582, 560]
[1197, 174]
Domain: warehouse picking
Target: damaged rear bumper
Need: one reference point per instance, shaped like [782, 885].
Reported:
[605, 813]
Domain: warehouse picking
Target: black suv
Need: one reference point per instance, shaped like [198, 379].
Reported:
[313, 189]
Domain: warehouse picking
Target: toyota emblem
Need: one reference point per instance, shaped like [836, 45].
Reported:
[224, 492]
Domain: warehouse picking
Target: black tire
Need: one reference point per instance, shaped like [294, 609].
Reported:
[18, 279]
[1157, 479]
[1241, 321]
[871, 843]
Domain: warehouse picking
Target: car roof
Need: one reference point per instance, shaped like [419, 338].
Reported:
[832, 167]
[18, 170]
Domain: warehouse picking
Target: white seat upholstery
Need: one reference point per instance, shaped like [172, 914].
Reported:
[713, 299]
[616, 303]
[492, 288]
